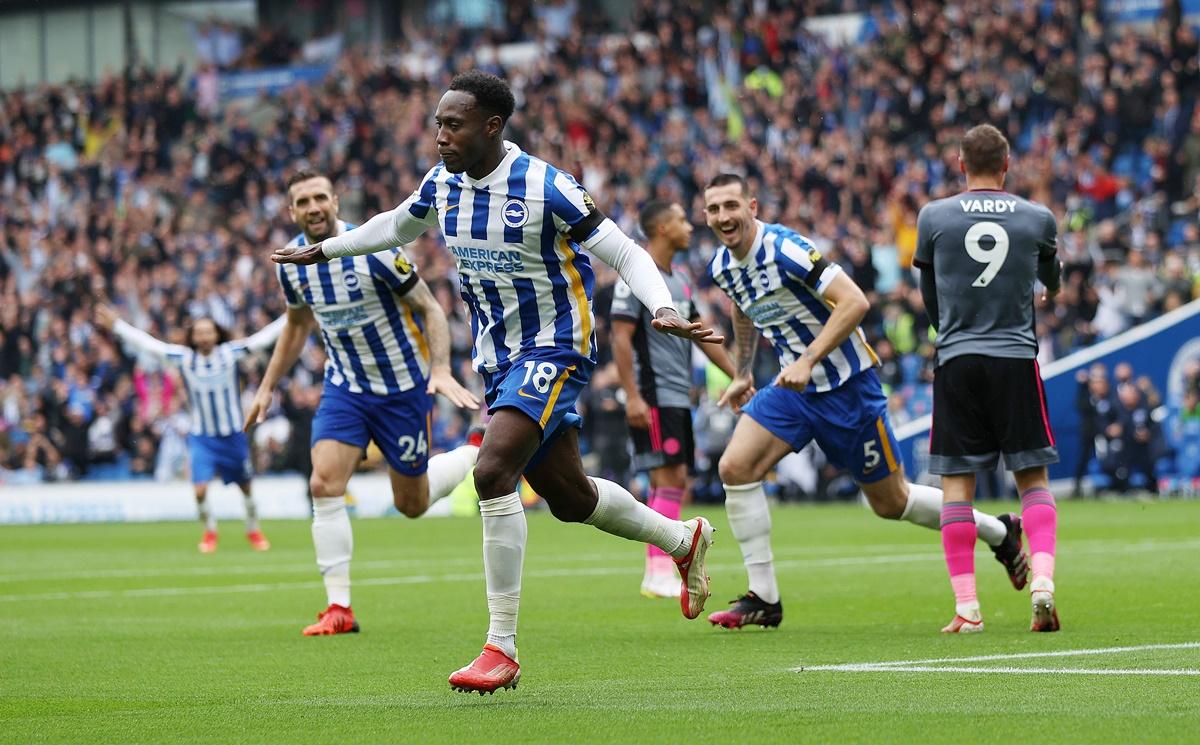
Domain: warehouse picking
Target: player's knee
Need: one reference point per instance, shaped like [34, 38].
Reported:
[888, 509]
[734, 471]
[572, 508]
[888, 503]
[410, 505]
[322, 485]
[494, 478]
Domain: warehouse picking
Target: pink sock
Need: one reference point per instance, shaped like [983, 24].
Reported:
[958, 543]
[1039, 520]
[665, 501]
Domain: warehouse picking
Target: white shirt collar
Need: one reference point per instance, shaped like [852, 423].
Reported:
[512, 152]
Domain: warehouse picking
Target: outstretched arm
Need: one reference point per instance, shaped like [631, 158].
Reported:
[134, 337]
[609, 244]
[437, 330]
[385, 230]
[298, 322]
[266, 336]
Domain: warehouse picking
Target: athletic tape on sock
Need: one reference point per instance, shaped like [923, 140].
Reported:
[509, 504]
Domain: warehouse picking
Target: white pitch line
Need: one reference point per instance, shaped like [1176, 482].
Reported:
[1003, 670]
[936, 664]
[875, 554]
[1035, 655]
[424, 579]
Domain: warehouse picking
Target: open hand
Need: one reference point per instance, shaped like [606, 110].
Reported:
[106, 317]
[299, 255]
[668, 321]
[442, 381]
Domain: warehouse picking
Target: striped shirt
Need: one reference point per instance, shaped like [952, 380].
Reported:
[780, 286]
[373, 342]
[525, 281]
[212, 381]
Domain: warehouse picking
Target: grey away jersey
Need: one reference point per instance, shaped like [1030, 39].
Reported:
[662, 363]
[983, 247]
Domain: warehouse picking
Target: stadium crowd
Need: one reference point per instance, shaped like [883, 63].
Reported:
[139, 190]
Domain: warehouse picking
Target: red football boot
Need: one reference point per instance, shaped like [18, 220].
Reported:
[490, 671]
[335, 619]
[258, 541]
[208, 544]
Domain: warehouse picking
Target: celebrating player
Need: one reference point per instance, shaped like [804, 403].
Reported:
[209, 368]
[655, 372]
[827, 390]
[388, 348]
[979, 253]
[516, 224]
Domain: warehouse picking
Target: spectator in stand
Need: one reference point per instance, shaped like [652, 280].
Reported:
[1131, 441]
[1097, 406]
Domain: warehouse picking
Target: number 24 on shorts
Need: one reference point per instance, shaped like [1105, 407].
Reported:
[414, 448]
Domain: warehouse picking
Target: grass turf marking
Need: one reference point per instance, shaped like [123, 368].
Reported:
[936, 665]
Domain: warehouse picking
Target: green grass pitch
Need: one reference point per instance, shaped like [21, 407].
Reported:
[124, 633]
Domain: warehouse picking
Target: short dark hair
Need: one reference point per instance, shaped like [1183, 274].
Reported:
[984, 150]
[491, 93]
[652, 214]
[222, 332]
[725, 179]
[304, 174]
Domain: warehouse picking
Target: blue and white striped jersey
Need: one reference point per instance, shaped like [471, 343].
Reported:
[373, 342]
[526, 283]
[780, 286]
[213, 381]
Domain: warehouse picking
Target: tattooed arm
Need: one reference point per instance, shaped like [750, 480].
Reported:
[745, 344]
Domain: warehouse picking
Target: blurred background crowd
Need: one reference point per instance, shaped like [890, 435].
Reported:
[151, 190]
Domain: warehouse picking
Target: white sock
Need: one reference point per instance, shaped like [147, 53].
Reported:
[334, 542]
[206, 516]
[924, 508]
[750, 521]
[504, 535]
[251, 513]
[617, 512]
[447, 470]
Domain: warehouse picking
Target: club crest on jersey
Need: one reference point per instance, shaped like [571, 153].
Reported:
[515, 214]
[764, 280]
[350, 281]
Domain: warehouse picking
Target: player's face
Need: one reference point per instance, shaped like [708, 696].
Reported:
[464, 131]
[731, 214]
[678, 229]
[314, 208]
[204, 336]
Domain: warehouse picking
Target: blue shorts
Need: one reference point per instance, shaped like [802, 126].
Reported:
[543, 384]
[850, 423]
[227, 457]
[399, 424]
